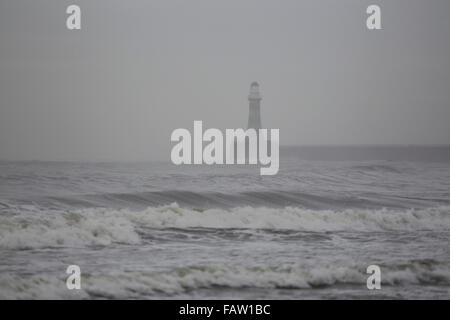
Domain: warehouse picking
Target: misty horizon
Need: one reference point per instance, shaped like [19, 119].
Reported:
[117, 88]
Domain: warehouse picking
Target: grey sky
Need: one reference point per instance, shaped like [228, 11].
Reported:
[139, 69]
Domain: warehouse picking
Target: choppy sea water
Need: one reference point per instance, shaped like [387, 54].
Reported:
[155, 230]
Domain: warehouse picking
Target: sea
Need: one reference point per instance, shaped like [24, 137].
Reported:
[154, 230]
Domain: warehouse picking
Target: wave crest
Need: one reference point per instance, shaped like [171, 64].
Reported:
[105, 226]
[119, 285]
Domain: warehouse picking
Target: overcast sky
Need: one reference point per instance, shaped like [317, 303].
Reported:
[137, 70]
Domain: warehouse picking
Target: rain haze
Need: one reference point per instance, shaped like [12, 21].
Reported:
[137, 70]
[355, 204]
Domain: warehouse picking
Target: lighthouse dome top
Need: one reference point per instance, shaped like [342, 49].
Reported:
[254, 91]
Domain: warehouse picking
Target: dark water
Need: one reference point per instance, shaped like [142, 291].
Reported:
[155, 230]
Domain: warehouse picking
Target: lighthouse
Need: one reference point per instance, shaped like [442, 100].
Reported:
[254, 99]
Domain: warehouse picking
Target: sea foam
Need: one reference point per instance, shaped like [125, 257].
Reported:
[173, 282]
[97, 226]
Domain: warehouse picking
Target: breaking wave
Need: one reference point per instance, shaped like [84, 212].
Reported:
[96, 226]
[176, 281]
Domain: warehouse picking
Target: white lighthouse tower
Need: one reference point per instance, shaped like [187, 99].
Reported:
[254, 99]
